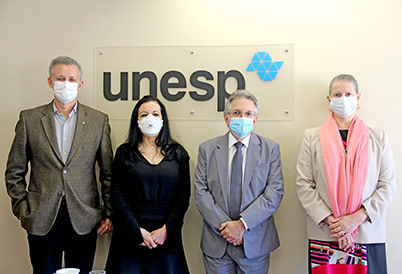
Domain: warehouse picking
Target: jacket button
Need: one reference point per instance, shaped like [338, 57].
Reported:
[64, 172]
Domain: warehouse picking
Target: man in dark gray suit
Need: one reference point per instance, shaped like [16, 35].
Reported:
[61, 142]
[238, 186]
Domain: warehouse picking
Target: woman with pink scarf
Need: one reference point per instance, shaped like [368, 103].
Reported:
[346, 182]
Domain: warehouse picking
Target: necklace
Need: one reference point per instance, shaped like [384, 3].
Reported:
[146, 149]
[151, 153]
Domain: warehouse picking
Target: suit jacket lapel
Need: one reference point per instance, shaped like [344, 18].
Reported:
[80, 132]
[253, 151]
[222, 156]
[50, 130]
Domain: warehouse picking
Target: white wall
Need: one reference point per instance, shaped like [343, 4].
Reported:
[330, 37]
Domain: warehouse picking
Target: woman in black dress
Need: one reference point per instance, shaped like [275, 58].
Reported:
[150, 194]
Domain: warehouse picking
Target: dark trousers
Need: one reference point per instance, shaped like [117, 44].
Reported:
[46, 251]
[376, 259]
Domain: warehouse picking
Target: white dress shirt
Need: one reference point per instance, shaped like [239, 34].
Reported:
[65, 130]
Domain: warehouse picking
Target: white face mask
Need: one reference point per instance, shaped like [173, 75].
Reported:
[65, 91]
[344, 106]
[150, 125]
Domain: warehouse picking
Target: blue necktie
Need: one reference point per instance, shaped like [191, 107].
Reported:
[235, 183]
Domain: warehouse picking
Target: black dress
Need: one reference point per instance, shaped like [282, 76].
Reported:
[148, 196]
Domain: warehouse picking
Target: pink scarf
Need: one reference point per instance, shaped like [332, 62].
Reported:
[345, 172]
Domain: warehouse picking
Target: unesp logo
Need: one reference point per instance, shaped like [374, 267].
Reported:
[194, 82]
[266, 68]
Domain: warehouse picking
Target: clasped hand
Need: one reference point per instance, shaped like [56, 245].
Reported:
[154, 238]
[105, 226]
[232, 231]
[343, 227]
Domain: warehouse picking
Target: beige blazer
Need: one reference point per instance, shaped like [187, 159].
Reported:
[36, 203]
[378, 193]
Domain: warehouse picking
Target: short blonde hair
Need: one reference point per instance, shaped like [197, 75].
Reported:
[343, 78]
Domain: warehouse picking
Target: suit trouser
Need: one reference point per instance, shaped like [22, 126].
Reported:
[46, 251]
[234, 261]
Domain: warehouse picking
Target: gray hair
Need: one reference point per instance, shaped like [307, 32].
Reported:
[343, 78]
[241, 94]
[65, 60]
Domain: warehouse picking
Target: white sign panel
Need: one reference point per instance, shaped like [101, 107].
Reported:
[194, 81]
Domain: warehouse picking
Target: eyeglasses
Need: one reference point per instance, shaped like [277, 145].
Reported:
[239, 114]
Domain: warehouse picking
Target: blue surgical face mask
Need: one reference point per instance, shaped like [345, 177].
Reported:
[241, 127]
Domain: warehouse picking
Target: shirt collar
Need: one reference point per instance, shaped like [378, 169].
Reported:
[55, 111]
[233, 141]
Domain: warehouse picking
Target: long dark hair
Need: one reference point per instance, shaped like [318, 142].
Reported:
[170, 149]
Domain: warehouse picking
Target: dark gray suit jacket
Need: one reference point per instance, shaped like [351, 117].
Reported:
[35, 146]
[261, 196]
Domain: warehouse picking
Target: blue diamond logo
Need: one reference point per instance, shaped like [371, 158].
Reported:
[267, 57]
[256, 58]
[273, 67]
[279, 64]
[250, 67]
[273, 74]
[262, 74]
[267, 77]
[261, 54]
[267, 65]
[266, 68]
[261, 67]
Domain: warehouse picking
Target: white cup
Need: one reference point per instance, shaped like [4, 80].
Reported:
[68, 271]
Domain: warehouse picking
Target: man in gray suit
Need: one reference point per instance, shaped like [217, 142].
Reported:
[238, 186]
[61, 142]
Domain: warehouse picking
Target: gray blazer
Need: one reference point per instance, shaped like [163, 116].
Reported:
[378, 192]
[262, 194]
[35, 145]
